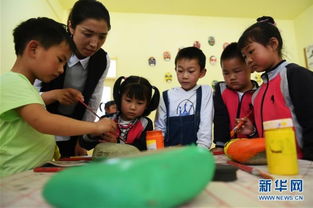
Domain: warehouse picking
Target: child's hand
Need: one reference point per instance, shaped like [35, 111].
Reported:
[106, 126]
[68, 96]
[108, 137]
[247, 126]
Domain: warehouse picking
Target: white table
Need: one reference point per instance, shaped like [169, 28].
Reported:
[24, 190]
[244, 192]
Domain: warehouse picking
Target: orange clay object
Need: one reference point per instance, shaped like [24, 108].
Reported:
[242, 150]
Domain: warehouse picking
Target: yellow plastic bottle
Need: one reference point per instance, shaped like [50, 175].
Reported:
[280, 145]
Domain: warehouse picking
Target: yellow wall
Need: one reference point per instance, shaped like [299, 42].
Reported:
[14, 12]
[136, 37]
[304, 32]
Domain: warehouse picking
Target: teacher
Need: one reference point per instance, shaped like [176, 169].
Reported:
[84, 73]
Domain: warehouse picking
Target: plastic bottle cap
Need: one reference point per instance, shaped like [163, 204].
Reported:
[154, 133]
[277, 124]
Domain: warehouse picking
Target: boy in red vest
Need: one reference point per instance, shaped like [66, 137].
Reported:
[232, 98]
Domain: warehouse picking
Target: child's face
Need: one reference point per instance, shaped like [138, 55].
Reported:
[89, 36]
[132, 108]
[49, 62]
[236, 74]
[259, 57]
[111, 109]
[188, 73]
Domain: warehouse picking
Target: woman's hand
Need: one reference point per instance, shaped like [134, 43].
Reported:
[68, 96]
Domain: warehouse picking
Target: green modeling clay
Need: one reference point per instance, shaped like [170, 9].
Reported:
[109, 150]
[163, 178]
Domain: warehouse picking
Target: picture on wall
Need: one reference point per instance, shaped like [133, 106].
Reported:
[168, 77]
[212, 60]
[308, 52]
[197, 44]
[152, 61]
[166, 56]
[211, 41]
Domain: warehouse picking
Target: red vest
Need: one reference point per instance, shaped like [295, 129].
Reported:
[271, 101]
[237, 108]
[136, 131]
[273, 106]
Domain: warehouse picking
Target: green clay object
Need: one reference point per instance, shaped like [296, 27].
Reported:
[163, 178]
[110, 150]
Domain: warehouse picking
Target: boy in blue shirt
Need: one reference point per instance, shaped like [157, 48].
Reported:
[185, 113]
[42, 47]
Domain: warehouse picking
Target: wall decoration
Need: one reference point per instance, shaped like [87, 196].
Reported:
[225, 45]
[214, 83]
[258, 79]
[211, 41]
[152, 61]
[197, 44]
[168, 77]
[181, 48]
[213, 60]
[308, 53]
[166, 56]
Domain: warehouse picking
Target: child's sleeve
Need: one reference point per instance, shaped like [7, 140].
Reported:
[16, 91]
[300, 84]
[204, 133]
[160, 117]
[221, 119]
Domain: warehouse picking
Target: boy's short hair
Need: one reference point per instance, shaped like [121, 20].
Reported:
[46, 31]
[191, 53]
[231, 51]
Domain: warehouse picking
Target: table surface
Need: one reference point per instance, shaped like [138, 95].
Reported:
[25, 190]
